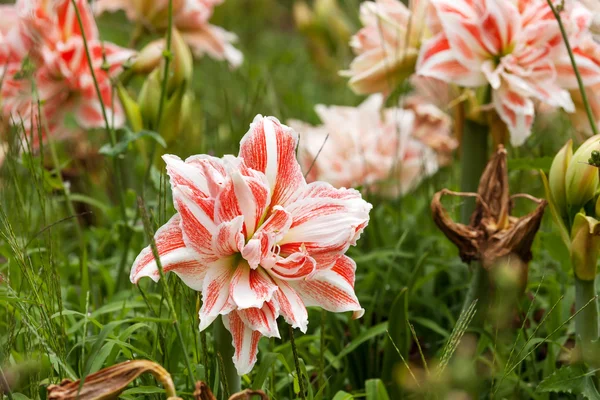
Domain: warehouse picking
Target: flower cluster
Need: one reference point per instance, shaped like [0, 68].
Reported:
[390, 150]
[257, 240]
[514, 47]
[46, 69]
[190, 18]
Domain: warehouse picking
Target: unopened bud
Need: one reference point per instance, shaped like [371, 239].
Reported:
[149, 99]
[303, 15]
[581, 179]
[131, 108]
[182, 66]
[149, 57]
[557, 177]
[585, 246]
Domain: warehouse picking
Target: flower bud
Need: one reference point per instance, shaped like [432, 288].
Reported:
[131, 108]
[581, 180]
[149, 57]
[303, 15]
[149, 99]
[585, 246]
[182, 66]
[557, 177]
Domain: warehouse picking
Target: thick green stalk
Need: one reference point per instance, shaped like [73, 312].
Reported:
[473, 159]
[224, 347]
[586, 322]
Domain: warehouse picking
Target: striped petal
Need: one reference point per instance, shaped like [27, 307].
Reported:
[270, 147]
[174, 256]
[244, 341]
[263, 320]
[437, 60]
[251, 287]
[290, 305]
[229, 238]
[215, 292]
[330, 290]
[295, 266]
[326, 221]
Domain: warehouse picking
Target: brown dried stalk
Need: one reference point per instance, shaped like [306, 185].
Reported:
[109, 382]
[492, 233]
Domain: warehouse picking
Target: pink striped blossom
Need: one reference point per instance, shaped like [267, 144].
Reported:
[190, 17]
[257, 240]
[516, 48]
[58, 80]
[388, 151]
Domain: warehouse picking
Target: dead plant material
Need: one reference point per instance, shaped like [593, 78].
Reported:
[108, 383]
[203, 392]
[492, 233]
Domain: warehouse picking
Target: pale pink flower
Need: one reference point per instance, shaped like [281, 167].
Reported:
[60, 70]
[387, 46]
[514, 46]
[370, 147]
[257, 240]
[190, 17]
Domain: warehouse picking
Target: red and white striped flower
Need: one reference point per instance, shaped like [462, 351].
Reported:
[54, 43]
[257, 240]
[515, 47]
[387, 45]
[190, 17]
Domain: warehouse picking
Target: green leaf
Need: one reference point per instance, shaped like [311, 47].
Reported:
[375, 390]
[129, 137]
[341, 395]
[398, 332]
[574, 379]
[143, 390]
[530, 164]
[265, 365]
[369, 334]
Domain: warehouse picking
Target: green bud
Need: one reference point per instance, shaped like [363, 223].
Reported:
[182, 64]
[149, 57]
[557, 175]
[132, 109]
[585, 246]
[149, 99]
[581, 179]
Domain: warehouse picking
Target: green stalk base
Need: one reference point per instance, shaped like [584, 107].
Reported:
[473, 159]
[224, 347]
[586, 322]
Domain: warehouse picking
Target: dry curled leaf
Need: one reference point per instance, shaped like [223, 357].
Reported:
[492, 233]
[109, 382]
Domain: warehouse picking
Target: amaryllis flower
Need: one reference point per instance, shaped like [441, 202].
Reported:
[257, 240]
[514, 46]
[381, 146]
[387, 46]
[60, 69]
[190, 17]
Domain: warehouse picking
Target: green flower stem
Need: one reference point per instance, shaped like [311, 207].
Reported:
[586, 322]
[474, 157]
[224, 347]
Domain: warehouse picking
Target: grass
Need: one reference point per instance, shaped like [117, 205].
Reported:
[54, 324]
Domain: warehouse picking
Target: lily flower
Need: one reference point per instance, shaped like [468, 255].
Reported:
[390, 150]
[515, 47]
[190, 17]
[387, 46]
[61, 70]
[257, 240]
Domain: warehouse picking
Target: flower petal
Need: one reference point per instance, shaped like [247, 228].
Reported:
[229, 239]
[290, 305]
[326, 221]
[270, 147]
[330, 290]
[251, 287]
[245, 342]
[295, 266]
[263, 320]
[437, 60]
[174, 256]
[215, 292]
